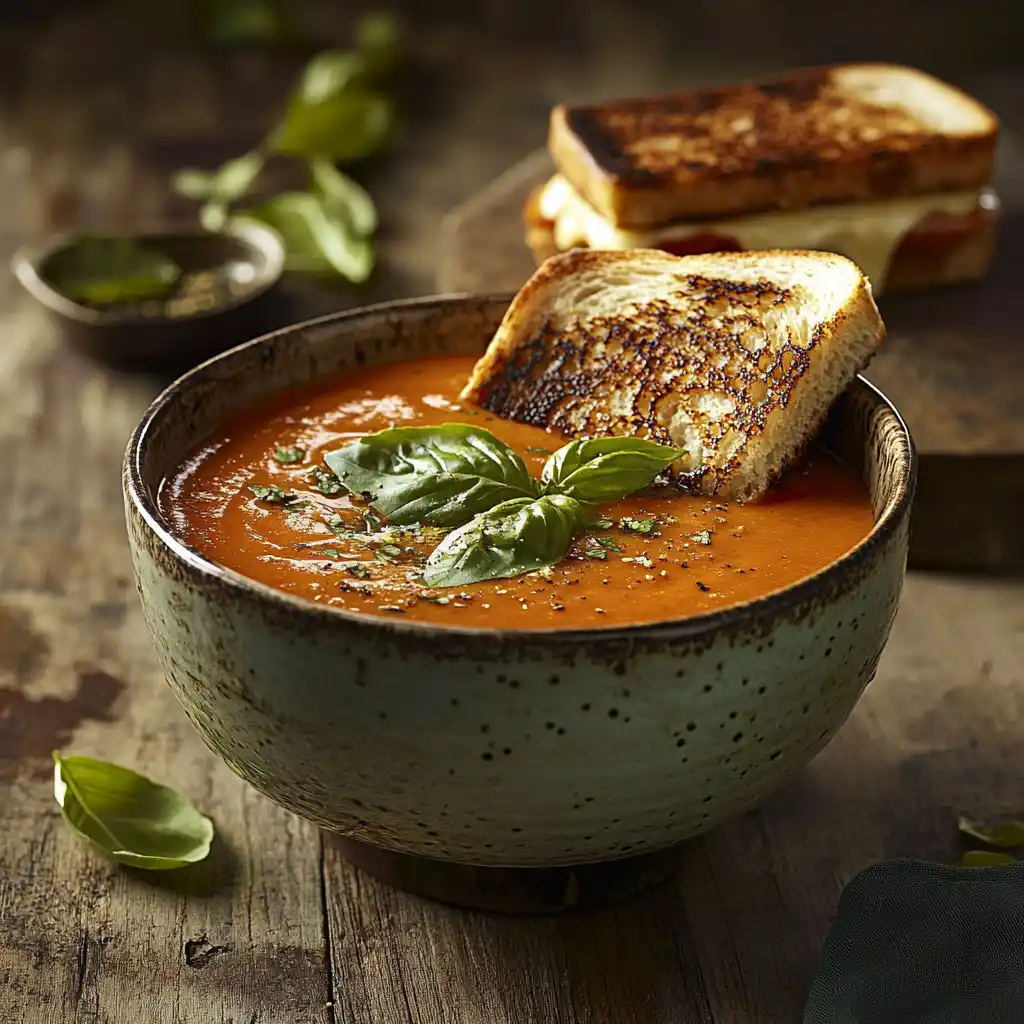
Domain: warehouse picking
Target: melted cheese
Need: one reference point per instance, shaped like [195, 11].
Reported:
[867, 233]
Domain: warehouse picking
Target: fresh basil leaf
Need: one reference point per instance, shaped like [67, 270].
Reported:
[345, 197]
[608, 544]
[103, 270]
[985, 859]
[517, 536]
[440, 475]
[332, 72]
[606, 468]
[226, 184]
[127, 817]
[1004, 834]
[315, 240]
[377, 37]
[347, 125]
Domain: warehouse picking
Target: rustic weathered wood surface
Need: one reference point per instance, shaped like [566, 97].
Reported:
[98, 104]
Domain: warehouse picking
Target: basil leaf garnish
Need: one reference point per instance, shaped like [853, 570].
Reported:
[127, 817]
[606, 468]
[440, 475]
[514, 537]
[1004, 834]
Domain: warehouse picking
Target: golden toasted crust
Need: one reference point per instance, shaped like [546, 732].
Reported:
[913, 268]
[735, 357]
[819, 135]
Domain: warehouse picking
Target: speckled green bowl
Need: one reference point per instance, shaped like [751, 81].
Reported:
[502, 748]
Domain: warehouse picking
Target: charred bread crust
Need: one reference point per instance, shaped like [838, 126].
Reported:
[813, 136]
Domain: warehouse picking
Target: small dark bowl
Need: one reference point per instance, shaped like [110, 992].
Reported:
[133, 341]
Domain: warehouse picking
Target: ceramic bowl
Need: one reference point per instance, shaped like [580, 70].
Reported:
[502, 748]
[137, 342]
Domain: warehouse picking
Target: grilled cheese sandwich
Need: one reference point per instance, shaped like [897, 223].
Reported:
[882, 164]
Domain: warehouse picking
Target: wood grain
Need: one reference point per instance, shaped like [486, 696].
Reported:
[99, 102]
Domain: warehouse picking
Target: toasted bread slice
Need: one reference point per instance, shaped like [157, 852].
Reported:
[819, 135]
[735, 357]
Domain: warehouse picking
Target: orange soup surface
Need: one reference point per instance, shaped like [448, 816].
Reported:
[658, 555]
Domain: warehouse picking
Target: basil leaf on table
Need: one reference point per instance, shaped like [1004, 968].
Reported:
[374, 60]
[331, 72]
[1005, 834]
[440, 475]
[345, 197]
[348, 125]
[517, 536]
[127, 817]
[985, 859]
[102, 271]
[315, 240]
[227, 183]
[606, 469]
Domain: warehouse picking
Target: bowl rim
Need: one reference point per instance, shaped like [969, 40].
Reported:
[775, 604]
[28, 261]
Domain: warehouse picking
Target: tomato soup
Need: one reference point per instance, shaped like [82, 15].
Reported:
[252, 499]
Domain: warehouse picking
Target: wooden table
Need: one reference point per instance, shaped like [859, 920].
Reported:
[99, 104]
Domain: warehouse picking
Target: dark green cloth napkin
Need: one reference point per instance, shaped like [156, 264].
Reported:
[921, 943]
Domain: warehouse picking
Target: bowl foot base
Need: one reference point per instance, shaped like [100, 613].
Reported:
[512, 890]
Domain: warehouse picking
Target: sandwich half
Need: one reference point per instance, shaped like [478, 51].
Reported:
[881, 163]
[735, 357]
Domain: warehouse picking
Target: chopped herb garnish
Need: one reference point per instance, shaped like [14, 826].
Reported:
[288, 456]
[325, 481]
[599, 553]
[351, 588]
[701, 537]
[609, 544]
[436, 599]
[337, 524]
[372, 522]
[329, 552]
[644, 526]
[540, 451]
[272, 495]
[357, 569]
[603, 523]
[390, 549]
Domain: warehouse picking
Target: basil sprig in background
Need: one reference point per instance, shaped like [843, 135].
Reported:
[456, 475]
[340, 112]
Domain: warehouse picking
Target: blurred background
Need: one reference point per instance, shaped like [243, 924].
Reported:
[102, 101]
